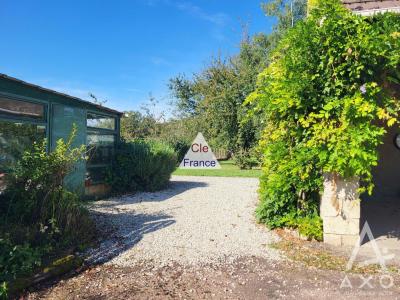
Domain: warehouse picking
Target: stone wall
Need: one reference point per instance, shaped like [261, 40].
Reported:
[340, 210]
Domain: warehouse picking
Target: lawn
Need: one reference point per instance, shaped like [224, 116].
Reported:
[228, 169]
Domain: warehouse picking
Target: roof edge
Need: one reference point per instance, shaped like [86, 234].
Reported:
[100, 107]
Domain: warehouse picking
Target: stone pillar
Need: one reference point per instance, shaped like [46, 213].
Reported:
[340, 210]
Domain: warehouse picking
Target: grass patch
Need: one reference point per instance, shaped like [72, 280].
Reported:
[228, 169]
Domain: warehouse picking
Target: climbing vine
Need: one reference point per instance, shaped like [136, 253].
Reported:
[328, 98]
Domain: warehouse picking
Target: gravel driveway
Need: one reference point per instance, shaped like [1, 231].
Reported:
[196, 240]
[197, 220]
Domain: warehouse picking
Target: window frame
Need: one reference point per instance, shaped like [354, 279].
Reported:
[26, 119]
[101, 115]
[101, 131]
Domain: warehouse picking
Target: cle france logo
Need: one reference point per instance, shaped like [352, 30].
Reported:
[199, 156]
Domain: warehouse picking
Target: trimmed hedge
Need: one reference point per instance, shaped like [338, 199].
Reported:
[141, 166]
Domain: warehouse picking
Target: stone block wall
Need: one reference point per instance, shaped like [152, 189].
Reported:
[340, 210]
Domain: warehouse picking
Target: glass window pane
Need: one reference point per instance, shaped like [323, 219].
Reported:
[96, 175]
[21, 108]
[100, 148]
[15, 138]
[98, 121]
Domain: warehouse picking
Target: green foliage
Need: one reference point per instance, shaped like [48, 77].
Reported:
[215, 95]
[180, 147]
[178, 134]
[3, 290]
[35, 186]
[308, 224]
[17, 260]
[38, 216]
[288, 13]
[328, 98]
[15, 139]
[142, 165]
[246, 159]
[311, 226]
[135, 125]
[141, 125]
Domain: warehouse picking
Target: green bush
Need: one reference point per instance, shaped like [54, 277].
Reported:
[141, 165]
[246, 159]
[3, 290]
[327, 100]
[35, 193]
[17, 260]
[180, 147]
[38, 216]
[311, 226]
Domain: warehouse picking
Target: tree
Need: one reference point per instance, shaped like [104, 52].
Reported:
[183, 91]
[215, 95]
[135, 125]
[141, 125]
[288, 13]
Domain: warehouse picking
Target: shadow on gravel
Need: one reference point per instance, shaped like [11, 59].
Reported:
[122, 228]
[122, 231]
[175, 188]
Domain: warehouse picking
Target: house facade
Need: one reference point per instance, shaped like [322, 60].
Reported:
[371, 7]
[31, 113]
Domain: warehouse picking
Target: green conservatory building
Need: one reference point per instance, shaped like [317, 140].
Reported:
[31, 113]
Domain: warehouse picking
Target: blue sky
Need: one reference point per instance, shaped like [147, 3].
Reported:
[119, 50]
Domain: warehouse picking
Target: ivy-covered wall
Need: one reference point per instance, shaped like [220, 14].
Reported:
[326, 106]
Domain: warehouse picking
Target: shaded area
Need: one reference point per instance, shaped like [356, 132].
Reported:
[122, 228]
[175, 188]
[383, 217]
[382, 209]
[129, 229]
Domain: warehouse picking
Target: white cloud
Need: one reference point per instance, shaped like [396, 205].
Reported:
[160, 61]
[219, 19]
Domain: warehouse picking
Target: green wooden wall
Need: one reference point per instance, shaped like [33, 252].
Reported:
[62, 112]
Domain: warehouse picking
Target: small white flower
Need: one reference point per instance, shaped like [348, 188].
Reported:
[363, 88]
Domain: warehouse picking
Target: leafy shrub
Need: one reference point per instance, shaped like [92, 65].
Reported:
[38, 216]
[246, 159]
[311, 226]
[179, 144]
[17, 260]
[327, 104]
[180, 147]
[3, 290]
[35, 193]
[142, 165]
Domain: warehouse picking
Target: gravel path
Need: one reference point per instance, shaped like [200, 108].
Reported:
[197, 240]
[198, 220]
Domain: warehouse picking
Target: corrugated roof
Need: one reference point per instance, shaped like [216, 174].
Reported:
[100, 107]
[372, 5]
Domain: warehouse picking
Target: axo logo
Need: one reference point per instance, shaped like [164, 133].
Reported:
[199, 155]
[384, 280]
